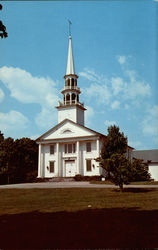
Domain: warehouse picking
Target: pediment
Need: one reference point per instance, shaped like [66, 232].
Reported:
[67, 129]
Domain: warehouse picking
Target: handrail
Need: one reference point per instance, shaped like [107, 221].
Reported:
[71, 87]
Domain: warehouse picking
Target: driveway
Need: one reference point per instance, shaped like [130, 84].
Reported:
[73, 184]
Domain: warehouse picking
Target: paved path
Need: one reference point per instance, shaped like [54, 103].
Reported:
[72, 184]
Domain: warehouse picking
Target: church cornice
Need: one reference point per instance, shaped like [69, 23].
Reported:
[61, 106]
[71, 89]
[71, 75]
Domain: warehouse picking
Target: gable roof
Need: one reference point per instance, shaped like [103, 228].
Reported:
[146, 155]
[59, 125]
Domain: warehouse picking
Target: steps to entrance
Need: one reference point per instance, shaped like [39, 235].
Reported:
[61, 179]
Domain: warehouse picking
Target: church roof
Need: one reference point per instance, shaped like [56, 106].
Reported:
[62, 123]
[146, 155]
[70, 70]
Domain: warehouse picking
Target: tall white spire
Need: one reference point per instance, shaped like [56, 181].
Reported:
[70, 70]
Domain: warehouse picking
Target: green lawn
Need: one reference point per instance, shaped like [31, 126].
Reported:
[78, 218]
[52, 200]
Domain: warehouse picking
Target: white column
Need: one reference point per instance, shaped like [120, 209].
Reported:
[57, 159]
[98, 153]
[78, 157]
[39, 161]
[98, 148]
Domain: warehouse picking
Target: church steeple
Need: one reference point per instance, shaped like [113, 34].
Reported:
[70, 70]
[71, 108]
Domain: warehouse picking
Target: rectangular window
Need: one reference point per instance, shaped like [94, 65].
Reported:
[51, 166]
[65, 148]
[70, 148]
[52, 149]
[88, 165]
[88, 146]
[74, 148]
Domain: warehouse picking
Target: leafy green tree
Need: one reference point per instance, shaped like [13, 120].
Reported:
[115, 142]
[113, 159]
[24, 159]
[18, 160]
[3, 33]
[139, 171]
[118, 169]
[6, 151]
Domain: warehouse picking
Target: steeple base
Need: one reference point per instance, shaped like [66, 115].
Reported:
[72, 112]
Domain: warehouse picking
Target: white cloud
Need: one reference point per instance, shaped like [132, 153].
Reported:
[150, 122]
[98, 89]
[89, 74]
[26, 88]
[29, 89]
[1, 95]
[9, 122]
[121, 59]
[126, 106]
[46, 118]
[115, 105]
[117, 85]
[99, 92]
[110, 123]
[127, 88]
[135, 88]
[136, 144]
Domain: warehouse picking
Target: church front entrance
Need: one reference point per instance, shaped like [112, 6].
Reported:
[70, 168]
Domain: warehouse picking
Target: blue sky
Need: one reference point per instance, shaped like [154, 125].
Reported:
[116, 57]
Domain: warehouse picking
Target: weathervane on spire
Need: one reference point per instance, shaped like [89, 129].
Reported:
[69, 27]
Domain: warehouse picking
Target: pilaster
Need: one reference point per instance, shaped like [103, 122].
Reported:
[39, 161]
[78, 157]
[57, 159]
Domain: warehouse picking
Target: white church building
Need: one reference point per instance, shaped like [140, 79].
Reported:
[69, 148]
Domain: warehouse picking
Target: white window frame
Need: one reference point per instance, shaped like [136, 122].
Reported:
[88, 147]
[90, 165]
[52, 145]
[50, 167]
[68, 146]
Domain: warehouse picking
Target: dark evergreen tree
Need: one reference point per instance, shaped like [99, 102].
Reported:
[140, 170]
[18, 160]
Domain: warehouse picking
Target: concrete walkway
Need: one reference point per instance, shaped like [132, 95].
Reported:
[72, 184]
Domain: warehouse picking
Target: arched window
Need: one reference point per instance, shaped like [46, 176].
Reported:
[64, 99]
[77, 98]
[72, 82]
[68, 99]
[73, 98]
[68, 82]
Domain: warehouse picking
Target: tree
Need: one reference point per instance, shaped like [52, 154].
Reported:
[6, 151]
[118, 169]
[113, 159]
[115, 142]
[140, 170]
[24, 159]
[3, 33]
[18, 160]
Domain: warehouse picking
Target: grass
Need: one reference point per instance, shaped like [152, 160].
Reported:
[14, 201]
[132, 183]
[78, 218]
